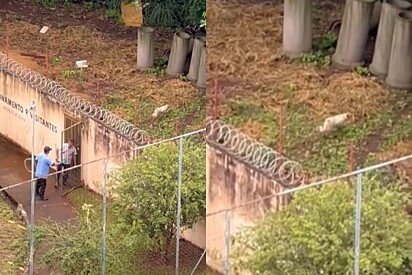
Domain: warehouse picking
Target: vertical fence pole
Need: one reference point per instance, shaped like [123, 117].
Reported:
[280, 124]
[61, 152]
[357, 223]
[104, 208]
[33, 188]
[226, 266]
[179, 193]
[216, 103]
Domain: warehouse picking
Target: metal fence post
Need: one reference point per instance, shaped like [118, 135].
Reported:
[104, 206]
[226, 265]
[357, 223]
[179, 193]
[33, 188]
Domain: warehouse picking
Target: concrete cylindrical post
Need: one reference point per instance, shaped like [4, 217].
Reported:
[376, 14]
[191, 44]
[201, 77]
[195, 59]
[178, 54]
[400, 62]
[297, 27]
[353, 34]
[145, 48]
[383, 44]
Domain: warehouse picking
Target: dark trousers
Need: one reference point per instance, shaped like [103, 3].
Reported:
[65, 174]
[41, 187]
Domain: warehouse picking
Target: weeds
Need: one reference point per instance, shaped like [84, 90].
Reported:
[320, 56]
[52, 3]
[159, 67]
[57, 60]
[316, 58]
[327, 41]
[182, 78]
[361, 70]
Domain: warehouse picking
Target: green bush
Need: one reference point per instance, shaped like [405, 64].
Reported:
[147, 191]
[77, 249]
[314, 234]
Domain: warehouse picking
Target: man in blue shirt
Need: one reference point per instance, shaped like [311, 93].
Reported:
[42, 171]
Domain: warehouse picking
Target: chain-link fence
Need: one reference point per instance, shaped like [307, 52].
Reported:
[141, 212]
[356, 223]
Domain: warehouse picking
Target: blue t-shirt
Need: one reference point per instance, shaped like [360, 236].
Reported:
[43, 165]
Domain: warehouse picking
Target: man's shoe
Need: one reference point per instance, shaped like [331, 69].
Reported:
[44, 199]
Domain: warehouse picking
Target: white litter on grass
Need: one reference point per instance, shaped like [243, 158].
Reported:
[160, 110]
[331, 123]
[44, 29]
[82, 64]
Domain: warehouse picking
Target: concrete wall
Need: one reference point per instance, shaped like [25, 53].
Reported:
[97, 140]
[15, 118]
[231, 183]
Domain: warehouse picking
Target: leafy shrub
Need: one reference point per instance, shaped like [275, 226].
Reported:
[147, 190]
[314, 234]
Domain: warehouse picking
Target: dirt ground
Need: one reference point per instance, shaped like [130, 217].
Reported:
[111, 80]
[256, 82]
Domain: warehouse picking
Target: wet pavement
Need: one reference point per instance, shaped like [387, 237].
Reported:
[12, 171]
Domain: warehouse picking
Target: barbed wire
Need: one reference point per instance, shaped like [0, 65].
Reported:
[286, 172]
[73, 102]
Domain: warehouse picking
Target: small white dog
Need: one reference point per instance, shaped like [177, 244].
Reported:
[331, 123]
[160, 110]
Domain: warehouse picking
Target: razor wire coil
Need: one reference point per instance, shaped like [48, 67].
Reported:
[286, 172]
[56, 91]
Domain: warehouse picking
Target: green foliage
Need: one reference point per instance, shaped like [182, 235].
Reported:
[327, 41]
[52, 3]
[78, 74]
[320, 56]
[114, 14]
[56, 61]
[159, 68]
[161, 13]
[197, 13]
[147, 190]
[317, 58]
[203, 21]
[77, 249]
[174, 13]
[11, 235]
[314, 233]
[362, 71]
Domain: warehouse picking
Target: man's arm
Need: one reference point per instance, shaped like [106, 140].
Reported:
[50, 162]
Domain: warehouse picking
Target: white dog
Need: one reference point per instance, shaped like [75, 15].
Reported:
[331, 123]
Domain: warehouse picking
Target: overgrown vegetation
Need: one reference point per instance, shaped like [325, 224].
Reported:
[321, 53]
[11, 233]
[314, 233]
[256, 84]
[166, 14]
[140, 219]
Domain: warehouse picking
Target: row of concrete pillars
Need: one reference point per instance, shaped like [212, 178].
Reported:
[183, 45]
[392, 58]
